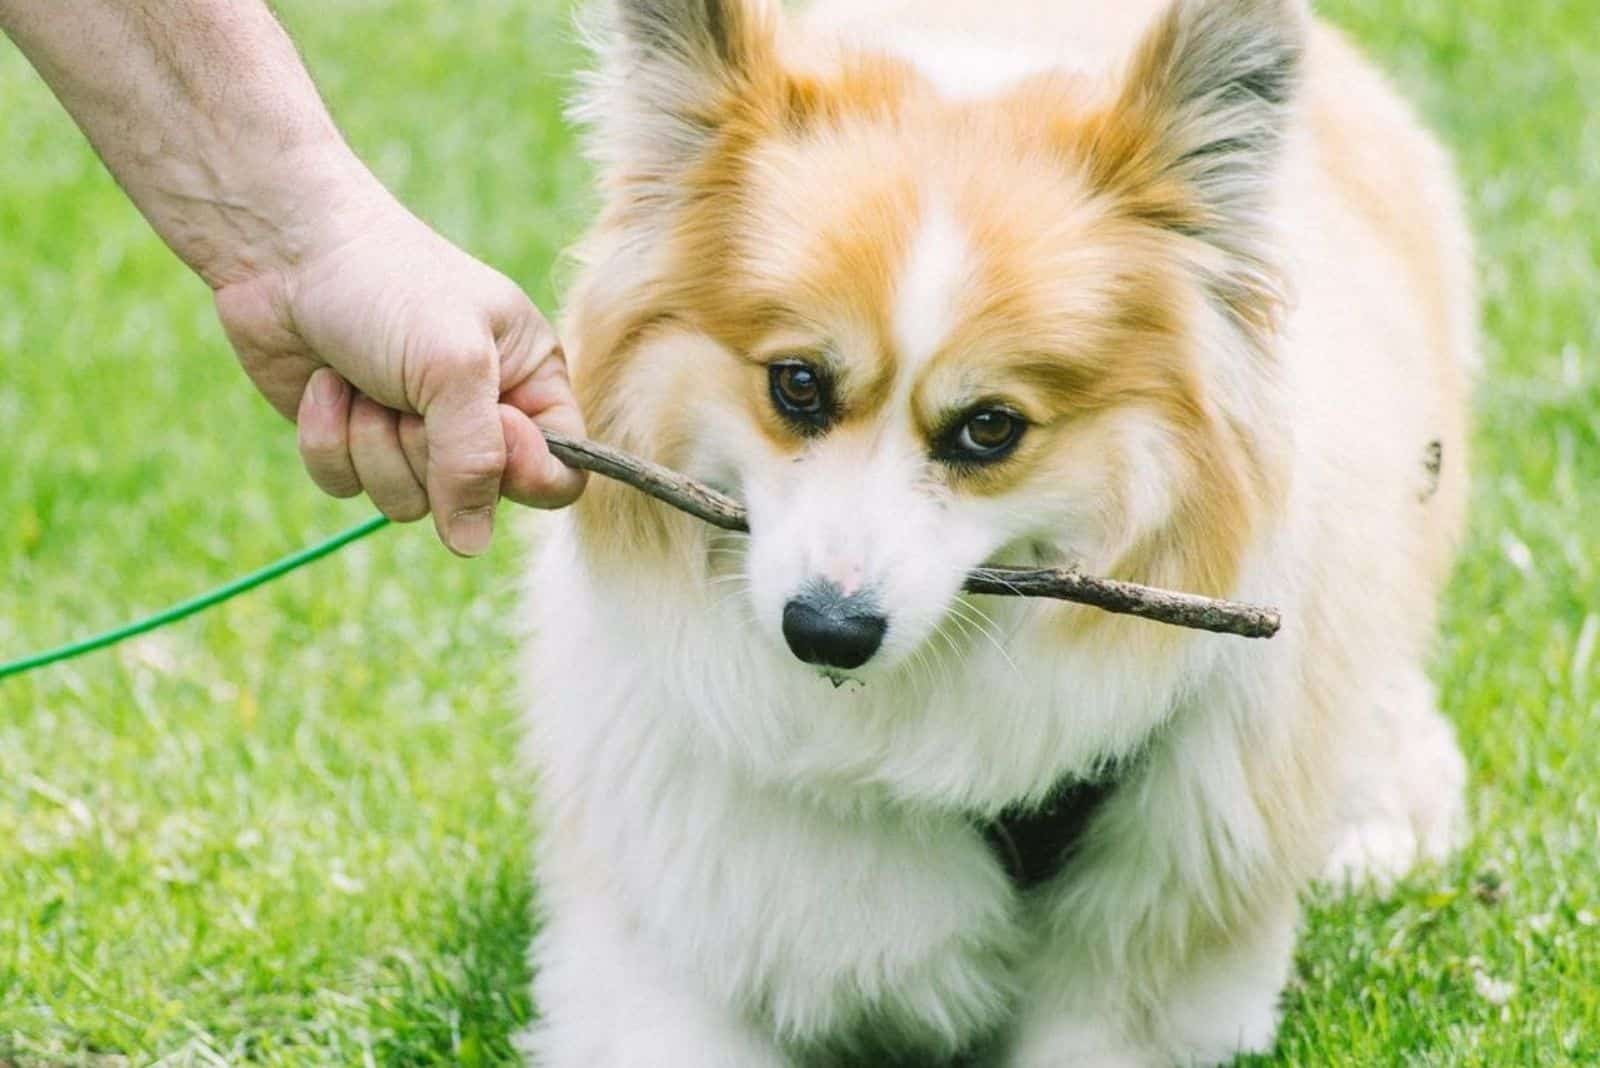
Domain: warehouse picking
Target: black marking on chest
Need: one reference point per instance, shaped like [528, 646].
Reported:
[1035, 844]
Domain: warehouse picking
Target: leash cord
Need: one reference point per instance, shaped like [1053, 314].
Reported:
[196, 604]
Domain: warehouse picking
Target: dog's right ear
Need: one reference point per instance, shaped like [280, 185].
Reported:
[1193, 142]
[671, 73]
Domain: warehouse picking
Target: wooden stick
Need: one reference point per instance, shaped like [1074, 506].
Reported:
[1125, 598]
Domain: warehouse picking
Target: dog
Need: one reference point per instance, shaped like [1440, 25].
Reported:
[1175, 292]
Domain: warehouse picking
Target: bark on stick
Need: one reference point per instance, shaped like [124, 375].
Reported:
[1111, 595]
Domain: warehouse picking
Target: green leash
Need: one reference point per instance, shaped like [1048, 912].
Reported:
[703, 502]
[196, 604]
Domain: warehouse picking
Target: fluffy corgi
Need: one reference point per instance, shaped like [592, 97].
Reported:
[1175, 293]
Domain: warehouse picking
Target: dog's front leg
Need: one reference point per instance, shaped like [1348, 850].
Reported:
[1202, 1008]
[1067, 1020]
[605, 1001]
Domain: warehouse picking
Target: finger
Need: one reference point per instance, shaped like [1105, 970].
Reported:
[466, 448]
[380, 461]
[323, 418]
[414, 443]
[534, 476]
[544, 397]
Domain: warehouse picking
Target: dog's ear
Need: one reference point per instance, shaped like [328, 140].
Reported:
[1193, 141]
[670, 73]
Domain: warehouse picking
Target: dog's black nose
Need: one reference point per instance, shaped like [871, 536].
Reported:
[825, 627]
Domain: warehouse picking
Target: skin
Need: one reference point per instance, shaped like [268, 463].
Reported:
[415, 373]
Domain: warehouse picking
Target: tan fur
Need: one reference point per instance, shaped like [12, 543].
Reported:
[1300, 355]
[1084, 292]
[1375, 165]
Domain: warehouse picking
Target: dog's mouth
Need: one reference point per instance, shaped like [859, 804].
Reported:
[841, 679]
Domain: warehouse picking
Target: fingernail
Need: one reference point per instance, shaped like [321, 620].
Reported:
[470, 531]
[326, 390]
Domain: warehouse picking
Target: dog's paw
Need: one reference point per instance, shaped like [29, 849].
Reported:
[1375, 852]
[1405, 803]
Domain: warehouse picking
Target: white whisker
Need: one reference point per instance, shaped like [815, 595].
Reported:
[989, 632]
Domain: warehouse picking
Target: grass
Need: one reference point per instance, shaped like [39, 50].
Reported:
[293, 831]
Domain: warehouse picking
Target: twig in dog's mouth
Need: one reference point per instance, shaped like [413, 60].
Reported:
[1111, 595]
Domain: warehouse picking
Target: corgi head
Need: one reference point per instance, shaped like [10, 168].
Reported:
[915, 333]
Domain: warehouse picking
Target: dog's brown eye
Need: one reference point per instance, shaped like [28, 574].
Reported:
[986, 435]
[801, 393]
[800, 387]
[989, 430]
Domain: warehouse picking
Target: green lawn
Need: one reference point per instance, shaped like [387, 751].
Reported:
[293, 831]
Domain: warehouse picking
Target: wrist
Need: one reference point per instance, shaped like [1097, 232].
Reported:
[250, 216]
[207, 118]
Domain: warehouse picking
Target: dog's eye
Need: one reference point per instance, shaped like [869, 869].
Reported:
[986, 435]
[801, 393]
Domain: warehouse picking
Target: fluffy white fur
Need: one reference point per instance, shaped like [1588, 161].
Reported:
[738, 860]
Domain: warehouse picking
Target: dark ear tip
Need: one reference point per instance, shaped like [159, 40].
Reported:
[688, 28]
[1238, 46]
[1276, 78]
[1288, 20]
[1286, 11]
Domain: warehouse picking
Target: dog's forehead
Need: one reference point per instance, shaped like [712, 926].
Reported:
[936, 280]
[921, 271]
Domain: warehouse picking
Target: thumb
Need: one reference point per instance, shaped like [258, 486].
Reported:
[537, 396]
[533, 476]
[466, 449]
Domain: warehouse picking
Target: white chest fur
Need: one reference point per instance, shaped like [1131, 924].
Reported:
[805, 852]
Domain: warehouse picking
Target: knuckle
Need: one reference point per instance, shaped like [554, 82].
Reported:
[472, 360]
[448, 368]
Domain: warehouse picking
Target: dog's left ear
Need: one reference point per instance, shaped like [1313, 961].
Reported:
[670, 74]
[1193, 140]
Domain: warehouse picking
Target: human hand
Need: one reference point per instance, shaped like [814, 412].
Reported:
[415, 373]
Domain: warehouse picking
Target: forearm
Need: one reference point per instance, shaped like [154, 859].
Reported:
[205, 115]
